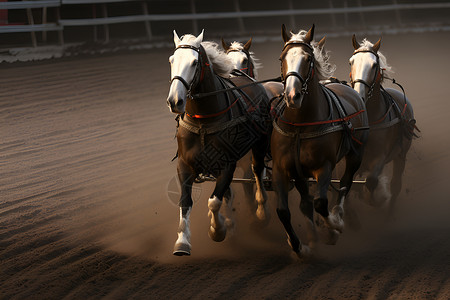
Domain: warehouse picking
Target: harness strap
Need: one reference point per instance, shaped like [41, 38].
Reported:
[212, 129]
[307, 135]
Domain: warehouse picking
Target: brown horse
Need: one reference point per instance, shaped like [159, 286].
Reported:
[218, 124]
[391, 121]
[245, 63]
[314, 127]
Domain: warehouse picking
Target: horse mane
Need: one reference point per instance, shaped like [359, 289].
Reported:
[256, 64]
[220, 62]
[324, 69]
[387, 69]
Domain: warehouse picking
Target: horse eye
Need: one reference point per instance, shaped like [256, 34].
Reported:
[195, 62]
[171, 60]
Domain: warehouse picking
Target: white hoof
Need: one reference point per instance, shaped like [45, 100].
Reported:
[182, 249]
[335, 219]
[262, 213]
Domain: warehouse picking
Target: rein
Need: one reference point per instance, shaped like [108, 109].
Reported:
[202, 95]
[343, 119]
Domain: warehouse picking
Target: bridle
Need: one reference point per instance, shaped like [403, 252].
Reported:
[199, 70]
[376, 78]
[249, 64]
[310, 74]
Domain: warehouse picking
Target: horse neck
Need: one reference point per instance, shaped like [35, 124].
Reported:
[314, 106]
[209, 105]
[376, 105]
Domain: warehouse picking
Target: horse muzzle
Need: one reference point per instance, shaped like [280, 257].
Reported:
[176, 106]
[294, 98]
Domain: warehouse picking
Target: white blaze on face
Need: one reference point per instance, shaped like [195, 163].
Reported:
[183, 63]
[239, 59]
[295, 61]
[363, 66]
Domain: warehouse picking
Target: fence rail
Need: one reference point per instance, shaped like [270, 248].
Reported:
[193, 16]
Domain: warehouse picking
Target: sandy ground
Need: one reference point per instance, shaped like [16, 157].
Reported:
[86, 192]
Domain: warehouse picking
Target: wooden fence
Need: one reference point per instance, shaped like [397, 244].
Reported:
[147, 19]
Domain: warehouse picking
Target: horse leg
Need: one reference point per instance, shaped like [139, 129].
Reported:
[376, 198]
[258, 169]
[246, 165]
[228, 198]
[183, 243]
[352, 163]
[307, 208]
[333, 224]
[218, 230]
[396, 183]
[281, 187]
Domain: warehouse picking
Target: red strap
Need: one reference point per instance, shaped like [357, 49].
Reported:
[214, 115]
[382, 118]
[325, 122]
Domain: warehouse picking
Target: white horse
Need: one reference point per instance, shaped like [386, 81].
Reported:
[391, 122]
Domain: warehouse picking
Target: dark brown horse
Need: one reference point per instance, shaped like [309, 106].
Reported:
[391, 121]
[245, 63]
[218, 124]
[315, 126]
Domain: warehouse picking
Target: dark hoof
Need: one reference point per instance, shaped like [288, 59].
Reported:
[182, 250]
[217, 235]
[332, 237]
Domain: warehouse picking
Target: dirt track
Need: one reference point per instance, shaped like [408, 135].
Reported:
[85, 164]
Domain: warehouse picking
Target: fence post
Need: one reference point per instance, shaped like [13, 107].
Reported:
[237, 7]
[148, 29]
[397, 14]
[105, 26]
[291, 17]
[194, 21]
[31, 22]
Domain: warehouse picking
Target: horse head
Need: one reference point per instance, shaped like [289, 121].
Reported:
[185, 70]
[297, 65]
[365, 70]
[240, 56]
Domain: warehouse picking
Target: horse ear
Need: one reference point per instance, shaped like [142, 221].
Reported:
[377, 45]
[176, 39]
[321, 43]
[356, 45]
[248, 45]
[225, 45]
[284, 34]
[200, 37]
[310, 35]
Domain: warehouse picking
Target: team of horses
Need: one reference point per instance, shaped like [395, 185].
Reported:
[302, 121]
